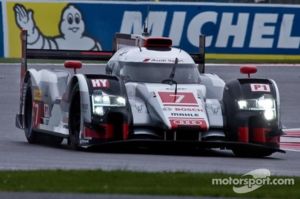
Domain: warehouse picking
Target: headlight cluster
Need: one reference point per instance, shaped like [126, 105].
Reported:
[100, 101]
[267, 105]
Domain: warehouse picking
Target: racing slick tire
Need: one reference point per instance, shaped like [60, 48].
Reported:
[33, 136]
[74, 119]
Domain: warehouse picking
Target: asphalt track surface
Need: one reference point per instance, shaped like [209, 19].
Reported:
[16, 153]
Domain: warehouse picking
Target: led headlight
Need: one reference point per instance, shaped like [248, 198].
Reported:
[101, 101]
[269, 114]
[267, 105]
[98, 110]
[121, 101]
[242, 104]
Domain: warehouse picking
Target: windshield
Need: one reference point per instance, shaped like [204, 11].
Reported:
[157, 72]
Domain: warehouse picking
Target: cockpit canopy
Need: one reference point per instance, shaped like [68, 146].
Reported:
[157, 72]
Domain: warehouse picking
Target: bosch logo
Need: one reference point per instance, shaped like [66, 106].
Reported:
[188, 109]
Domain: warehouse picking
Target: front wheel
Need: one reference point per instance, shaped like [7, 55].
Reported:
[74, 119]
[31, 135]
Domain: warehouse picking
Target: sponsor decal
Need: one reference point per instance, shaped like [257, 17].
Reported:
[176, 122]
[46, 110]
[260, 87]
[188, 109]
[161, 60]
[228, 29]
[180, 99]
[238, 29]
[37, 94]
[63, 28]
[100, 83]
[182, 109]
[184, 114]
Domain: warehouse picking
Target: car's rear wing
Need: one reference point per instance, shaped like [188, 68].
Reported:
[120, 40]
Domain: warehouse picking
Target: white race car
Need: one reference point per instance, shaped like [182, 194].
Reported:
[152, 93]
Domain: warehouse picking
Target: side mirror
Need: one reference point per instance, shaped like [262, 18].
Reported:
[248, 69]
[73, 64]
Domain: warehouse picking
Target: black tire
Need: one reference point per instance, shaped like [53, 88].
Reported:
[51, 140]
[31, 135]
[74, 119]
[252, 153]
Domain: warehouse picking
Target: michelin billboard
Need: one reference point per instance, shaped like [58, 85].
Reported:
[239, 29]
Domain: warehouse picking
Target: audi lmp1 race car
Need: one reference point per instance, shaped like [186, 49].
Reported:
[151, 93]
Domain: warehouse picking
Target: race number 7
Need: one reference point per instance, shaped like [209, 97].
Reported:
[179, 98]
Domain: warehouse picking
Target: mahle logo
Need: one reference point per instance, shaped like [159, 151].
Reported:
[252, 181]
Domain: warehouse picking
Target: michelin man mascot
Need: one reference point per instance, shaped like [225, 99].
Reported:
[71, 31]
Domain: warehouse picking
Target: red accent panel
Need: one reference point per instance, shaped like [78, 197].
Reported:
[259, 135]
[109, 131]
[275, 139]
[248, 69]
[243, 134]
[73, 64]
[106, 134]
[125, 131]
[97, 53]
[179, 98]
[185, 105]
[90, 133]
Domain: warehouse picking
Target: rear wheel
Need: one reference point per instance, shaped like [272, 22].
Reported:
[31, 135]
[74, 119]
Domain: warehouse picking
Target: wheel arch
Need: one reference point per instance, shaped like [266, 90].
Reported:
[242, 89]
[85, 102]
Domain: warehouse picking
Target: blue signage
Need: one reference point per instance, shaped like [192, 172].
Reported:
[233, 29]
